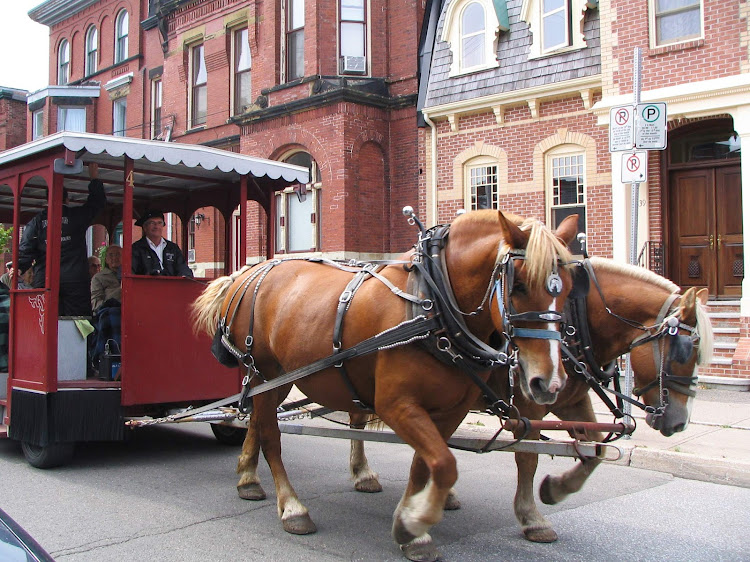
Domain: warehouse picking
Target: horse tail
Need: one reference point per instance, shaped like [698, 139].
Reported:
[206, 309]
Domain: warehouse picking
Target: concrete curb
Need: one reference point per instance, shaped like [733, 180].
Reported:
[691, 467]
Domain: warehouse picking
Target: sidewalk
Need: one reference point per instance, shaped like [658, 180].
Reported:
[714, 448]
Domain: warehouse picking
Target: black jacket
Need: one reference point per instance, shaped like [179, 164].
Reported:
[74, 267]
[146, 262]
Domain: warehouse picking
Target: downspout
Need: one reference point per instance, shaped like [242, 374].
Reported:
[431, 202]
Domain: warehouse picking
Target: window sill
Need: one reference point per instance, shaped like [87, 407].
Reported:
[676, 47]
[195, 129]
[473, 70]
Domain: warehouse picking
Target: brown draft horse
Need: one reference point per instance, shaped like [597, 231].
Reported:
[421, 398]
[636, 295]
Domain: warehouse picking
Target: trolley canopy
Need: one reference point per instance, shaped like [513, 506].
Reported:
[162, 170]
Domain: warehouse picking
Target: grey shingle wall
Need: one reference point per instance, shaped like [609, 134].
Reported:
[516, 71]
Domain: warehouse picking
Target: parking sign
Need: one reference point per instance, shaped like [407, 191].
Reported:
[651, 126]
[621, 128]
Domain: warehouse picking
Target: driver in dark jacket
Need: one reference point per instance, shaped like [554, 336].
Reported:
[155, 255]
[75, 283]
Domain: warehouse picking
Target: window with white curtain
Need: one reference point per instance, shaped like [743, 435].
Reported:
[674, 21]
[71, 119]
[297, 213]
[199, 87]
[119, 117]
[241, 68]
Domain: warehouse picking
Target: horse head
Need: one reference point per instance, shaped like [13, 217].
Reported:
[665, 369]
[528, 266]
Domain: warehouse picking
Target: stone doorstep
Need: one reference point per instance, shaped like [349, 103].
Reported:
[724, 383]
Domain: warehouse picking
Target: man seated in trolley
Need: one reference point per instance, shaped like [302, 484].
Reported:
[153, 254]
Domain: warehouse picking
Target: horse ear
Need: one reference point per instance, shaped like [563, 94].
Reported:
[567, 229]
[702, 295]
[513, 236]
[688, 303]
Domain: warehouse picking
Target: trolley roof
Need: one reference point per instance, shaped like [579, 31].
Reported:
[162, 170]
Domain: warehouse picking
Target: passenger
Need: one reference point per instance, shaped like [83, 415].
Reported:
[95, 266]
[152, 254]
[6, 277]
[106, 286]
[75, 283]
[26, 280]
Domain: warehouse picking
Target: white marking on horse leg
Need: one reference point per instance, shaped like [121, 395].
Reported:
[292, 508]
[365, 479]
[422, 510]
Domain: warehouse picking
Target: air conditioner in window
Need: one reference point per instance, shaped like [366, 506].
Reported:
[191, 255]
[353, 64]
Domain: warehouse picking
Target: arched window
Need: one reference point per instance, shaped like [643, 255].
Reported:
[297, 215]
[566, 187]
[121, 36]
[63, 63]
[472, 36]
[91, 51]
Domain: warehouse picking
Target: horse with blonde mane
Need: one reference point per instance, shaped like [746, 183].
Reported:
[290, 309]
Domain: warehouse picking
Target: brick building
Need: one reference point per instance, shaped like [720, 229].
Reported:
[516, 96]
[328, 85]
[12, 117]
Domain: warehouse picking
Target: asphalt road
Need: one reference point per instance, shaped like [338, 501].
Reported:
[169, 495]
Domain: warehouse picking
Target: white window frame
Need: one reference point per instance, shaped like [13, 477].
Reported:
[365, 26]
[193, 85]
[120, 117]
[452, 33]
[62, 117]
[121, 36]
[236, 73]
[91, 60]
[531, 13]
[157, 97]
[285, 38]
[653, 31]
[37, 124]
[470, 195]
[63, 63]
[572, 151]
[288, 196]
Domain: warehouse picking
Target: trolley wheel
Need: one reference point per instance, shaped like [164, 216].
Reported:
[48, 456]
[228, 434]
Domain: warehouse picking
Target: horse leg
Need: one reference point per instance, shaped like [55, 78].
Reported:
[534, 525]
[365, 479]
[249, 487]
[294, 516]
[555, 489]
[433, 473]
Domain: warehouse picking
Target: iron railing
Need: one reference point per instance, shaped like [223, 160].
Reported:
[652, 256]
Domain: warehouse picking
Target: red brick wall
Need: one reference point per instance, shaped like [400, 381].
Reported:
[718, 54]
[12, 122]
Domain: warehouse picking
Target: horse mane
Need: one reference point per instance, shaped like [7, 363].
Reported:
[206, 309]
[635, 272]
[544, 251]
[702, 321]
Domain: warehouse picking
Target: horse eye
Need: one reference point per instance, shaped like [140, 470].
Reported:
[519, 288]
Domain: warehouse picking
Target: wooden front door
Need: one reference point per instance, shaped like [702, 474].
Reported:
[706, 230]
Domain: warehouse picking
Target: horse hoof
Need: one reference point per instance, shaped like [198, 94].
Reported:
[452, 502]
[251, 492]
[370, 486]
[420, 551]
[299, 525]
[540, 535]
[545, 492]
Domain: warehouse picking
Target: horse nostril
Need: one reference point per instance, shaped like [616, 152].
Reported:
[679, 427]
[537, 385]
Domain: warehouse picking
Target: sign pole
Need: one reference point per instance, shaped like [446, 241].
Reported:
[628, 386]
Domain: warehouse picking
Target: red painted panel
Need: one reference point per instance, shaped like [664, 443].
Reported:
[162, 359]
[28, 340]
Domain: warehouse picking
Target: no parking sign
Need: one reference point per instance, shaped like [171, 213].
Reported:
[634, 167]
